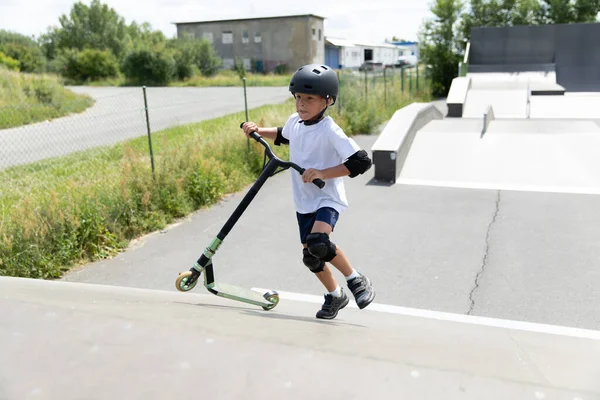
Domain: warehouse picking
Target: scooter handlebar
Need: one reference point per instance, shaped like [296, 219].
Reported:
[254, 135]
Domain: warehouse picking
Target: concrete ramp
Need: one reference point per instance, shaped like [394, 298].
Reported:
[529, 155]
[508, 93]
[65, 341]
[507, 103]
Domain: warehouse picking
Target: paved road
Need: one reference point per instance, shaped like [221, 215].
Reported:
[119, 115]
[67, 341]
[515, 255]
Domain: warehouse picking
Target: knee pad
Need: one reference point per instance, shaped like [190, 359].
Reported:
[313, 263]
[320, 246]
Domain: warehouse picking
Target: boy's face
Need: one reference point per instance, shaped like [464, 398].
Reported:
[309, 106]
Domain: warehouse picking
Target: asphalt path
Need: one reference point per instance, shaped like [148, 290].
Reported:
[119, 114]
[524, 256]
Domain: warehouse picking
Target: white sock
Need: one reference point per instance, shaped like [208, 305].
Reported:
[353, 275]
[337, 292]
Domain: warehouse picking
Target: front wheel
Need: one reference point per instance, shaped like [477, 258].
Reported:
[186, 281]
[273, 298]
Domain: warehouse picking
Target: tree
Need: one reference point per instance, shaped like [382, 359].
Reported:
[438, 44]
[527, 12]
[95, 27]
[569, 11]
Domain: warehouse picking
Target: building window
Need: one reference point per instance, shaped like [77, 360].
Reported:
[227, 37]
[257, 37]
[247, 64]
[208, 36]
[319, 35]
[228, 63]
[245, 37]
[314, 32]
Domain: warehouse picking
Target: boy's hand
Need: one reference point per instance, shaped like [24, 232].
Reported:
[250, 127]
[311, 174]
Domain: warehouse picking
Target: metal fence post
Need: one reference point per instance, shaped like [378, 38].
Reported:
[402, 78]
[149, 132]
[246, 108]
[366, 84]
[417, 76]
[385, 87]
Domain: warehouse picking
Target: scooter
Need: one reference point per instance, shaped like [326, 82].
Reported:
[188, 280]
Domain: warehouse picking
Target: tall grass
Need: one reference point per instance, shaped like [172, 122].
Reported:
[88, 206]
[28, 98]
[361, 110]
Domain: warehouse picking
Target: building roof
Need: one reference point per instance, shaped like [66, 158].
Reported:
[248, 19]
[340, 42]
[404, 43]
[349, 43]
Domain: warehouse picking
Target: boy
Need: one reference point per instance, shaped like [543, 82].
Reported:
[320, 146]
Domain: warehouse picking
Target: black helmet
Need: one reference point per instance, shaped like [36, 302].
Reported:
[315, 79]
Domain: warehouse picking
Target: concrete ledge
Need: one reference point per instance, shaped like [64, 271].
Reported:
[457, 96]
[392, 147]
[546, 89]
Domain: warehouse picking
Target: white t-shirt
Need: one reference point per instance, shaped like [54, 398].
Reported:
[319, 146]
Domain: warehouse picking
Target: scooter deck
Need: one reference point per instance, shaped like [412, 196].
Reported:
[238, 293]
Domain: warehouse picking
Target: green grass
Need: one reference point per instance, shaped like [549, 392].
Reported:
[29, 98]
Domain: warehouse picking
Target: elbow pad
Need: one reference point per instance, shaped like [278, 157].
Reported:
[358, 163]
[279, 140]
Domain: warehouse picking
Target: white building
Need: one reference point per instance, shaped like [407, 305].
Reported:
[340, 53]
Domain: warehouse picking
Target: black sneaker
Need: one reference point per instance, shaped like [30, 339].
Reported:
[332, 305]
[362, 290]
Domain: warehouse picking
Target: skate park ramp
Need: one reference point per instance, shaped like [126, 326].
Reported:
[87, 341]
[508, 93]
[529, 155]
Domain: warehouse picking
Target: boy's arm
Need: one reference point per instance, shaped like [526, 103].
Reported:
[357, 164]
[269, 133]
[274, 134]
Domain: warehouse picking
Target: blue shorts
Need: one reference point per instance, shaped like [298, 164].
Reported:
[306, 221]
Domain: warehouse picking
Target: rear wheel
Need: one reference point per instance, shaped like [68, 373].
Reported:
[273, 298]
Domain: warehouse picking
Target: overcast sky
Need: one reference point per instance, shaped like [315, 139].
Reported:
[368, 20]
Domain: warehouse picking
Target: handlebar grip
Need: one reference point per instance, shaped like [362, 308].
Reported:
[319, 183]
[253, 135]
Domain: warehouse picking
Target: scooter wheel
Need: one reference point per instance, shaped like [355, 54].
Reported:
[273, 298]
[182, 283]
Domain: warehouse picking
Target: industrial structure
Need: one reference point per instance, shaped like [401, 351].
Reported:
[262, 44]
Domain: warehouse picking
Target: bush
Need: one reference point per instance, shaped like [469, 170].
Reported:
[87, 65]
[149, 67]
[95, 64]
[23, 49]
[281, 69]
[8, 62]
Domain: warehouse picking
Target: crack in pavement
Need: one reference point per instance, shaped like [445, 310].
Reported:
[485, 256]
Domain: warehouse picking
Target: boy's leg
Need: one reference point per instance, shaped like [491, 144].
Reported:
[359, 284]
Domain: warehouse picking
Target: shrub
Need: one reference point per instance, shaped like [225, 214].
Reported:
[149, 67]
[8, 62]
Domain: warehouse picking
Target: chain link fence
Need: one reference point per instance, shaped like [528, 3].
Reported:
[408, 80]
